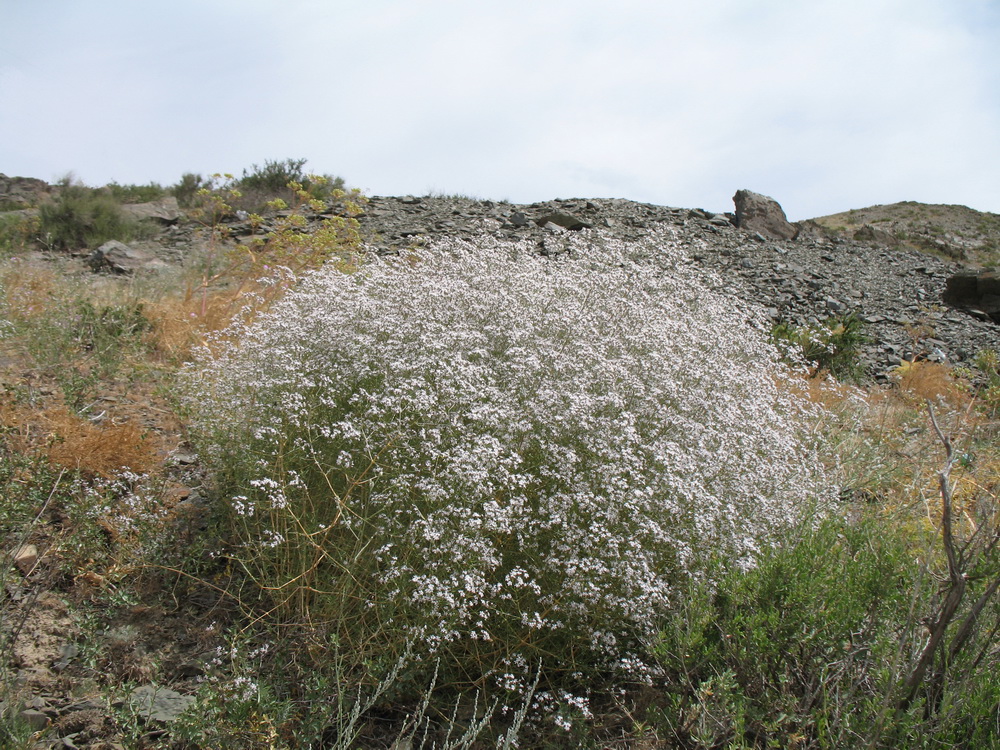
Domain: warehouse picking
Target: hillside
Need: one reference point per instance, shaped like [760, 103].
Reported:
[954, 232]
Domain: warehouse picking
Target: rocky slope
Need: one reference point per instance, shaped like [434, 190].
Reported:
[862, 262]
[897, 291]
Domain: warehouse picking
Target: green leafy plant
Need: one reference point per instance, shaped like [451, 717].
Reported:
[282, 180]
[832, 346]
[186, 189]
[792, 653]
[152, 191]
[81, 217]
[861, 631]
[274, 177]
[17, 233]
[987, 363]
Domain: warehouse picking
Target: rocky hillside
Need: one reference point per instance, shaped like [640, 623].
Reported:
[880, 264]
[952, 232]
[898, 292]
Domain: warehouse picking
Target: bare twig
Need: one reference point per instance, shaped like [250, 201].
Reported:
[956, 576]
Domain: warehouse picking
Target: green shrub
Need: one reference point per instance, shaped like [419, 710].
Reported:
[832, 346]
[17, 232]
[274, 177]
[281, 180]
[81, 217]
[186, 190]
[499, 460]
[811, 649]
[987, 362]
[136, 193]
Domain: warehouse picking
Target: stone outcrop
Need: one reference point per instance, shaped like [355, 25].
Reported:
[976, 292]
[118, 257]
[758, 213]
[164, 211]
[21, 192]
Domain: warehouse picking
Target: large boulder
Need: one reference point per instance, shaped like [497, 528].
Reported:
[164, 211]
[758, 213]
[118, 257]
[978, 293]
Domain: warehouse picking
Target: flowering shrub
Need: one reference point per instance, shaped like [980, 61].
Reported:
[498, 458]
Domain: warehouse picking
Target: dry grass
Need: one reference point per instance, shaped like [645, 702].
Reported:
[77, 444]
[885, 453]
[920, 382]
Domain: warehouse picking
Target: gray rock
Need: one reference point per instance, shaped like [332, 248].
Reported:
[34, 719]
[118, 257]
[562, 220]
[763, 215]
[153, 703]
[164, 211]
[978, 292]
[518, 219]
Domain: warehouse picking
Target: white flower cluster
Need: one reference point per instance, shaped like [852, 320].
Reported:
[528, 447]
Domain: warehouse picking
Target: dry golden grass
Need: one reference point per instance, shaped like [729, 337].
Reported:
[29, 291]
[887, 454]
[931, 381]
[77, 444]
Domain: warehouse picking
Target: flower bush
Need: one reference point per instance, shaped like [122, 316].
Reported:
[498, 459]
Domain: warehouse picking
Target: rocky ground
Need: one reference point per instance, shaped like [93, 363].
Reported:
[897, 292]
[861, 262]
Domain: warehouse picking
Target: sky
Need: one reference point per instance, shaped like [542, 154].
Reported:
[825, 105]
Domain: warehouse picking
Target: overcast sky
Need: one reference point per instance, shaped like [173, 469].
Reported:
[825, 105]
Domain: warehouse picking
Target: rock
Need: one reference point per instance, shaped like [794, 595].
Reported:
[67, 653]
[25, 558]
[870, 234]
[761, 214]
[153, 703]
[164, 211]
[21, 192]
[518, 219]
[979, 292]
[810, 230]
[120, 258]
[34, 719]
[562, 220]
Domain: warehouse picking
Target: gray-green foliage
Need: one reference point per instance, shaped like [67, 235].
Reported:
[834, 345]
[812, 647]
[82, 217]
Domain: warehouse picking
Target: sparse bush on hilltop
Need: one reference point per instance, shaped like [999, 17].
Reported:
[82, 217]
[274, 177]
[186, 189]
[152, 191]
[502, 460]
[281, 180]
